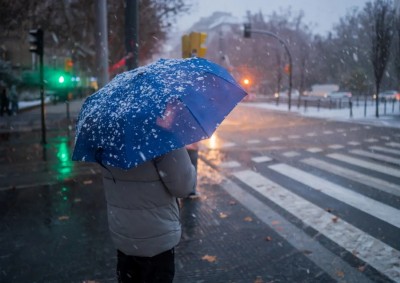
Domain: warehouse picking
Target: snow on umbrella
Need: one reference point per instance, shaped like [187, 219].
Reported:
[152, 110]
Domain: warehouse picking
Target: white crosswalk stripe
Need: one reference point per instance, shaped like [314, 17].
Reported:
[374, 252]
[359, 201]
[376, 183]
[366, 164]
[376, 156]
[385, 149]
[383, 255]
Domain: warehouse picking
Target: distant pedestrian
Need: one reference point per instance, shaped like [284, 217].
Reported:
[143, 215]
[4, 100]
[14, 100]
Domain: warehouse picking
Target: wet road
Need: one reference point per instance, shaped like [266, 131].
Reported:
[283, 199]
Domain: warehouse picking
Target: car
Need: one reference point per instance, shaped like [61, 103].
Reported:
[339, 94]
[389, 95]
[284, 94]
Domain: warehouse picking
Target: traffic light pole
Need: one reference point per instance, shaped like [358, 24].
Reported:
[249, 30]
[42, 98]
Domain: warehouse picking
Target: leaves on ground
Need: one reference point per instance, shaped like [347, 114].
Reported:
[248, 219]
[335, 219]
[222, 215]
[63, 217]
[340, 273]
[268, 238]
[209, 258]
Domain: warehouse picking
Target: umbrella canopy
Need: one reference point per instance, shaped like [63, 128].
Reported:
[152, 110]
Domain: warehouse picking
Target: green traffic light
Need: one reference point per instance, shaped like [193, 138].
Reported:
[61, 79]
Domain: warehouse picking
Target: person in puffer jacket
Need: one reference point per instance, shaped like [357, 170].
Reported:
[143, 215]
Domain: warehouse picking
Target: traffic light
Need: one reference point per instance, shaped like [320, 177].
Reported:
[202, 51]
[68, 65]
[247, 30]
[36, 41]
[186, 46]
[196, 42]
[287, 69]
[61, 79]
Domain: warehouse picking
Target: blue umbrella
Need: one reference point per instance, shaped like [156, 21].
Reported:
[152, 110]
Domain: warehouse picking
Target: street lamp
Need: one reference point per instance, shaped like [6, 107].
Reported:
[247, 33]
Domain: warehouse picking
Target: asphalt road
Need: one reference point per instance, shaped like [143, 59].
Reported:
[283, 198]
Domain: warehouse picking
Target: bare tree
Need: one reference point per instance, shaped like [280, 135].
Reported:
[381, 18]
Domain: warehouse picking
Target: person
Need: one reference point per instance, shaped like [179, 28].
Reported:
[193, 151]
[4, 101]
[143, 215]
[14, 100]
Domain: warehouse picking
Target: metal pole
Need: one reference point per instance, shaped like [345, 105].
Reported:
[289, 57]
[42, 110]
[101, 38]
[132, 33]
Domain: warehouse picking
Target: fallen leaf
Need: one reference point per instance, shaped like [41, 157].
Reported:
[329, 210]
[64, 217]
[259, 280]
[361, 268]
[268, 238]
[223, 215]
[232, 202]
[307, 252]
[340, 273]
[87, 182]
[209, 258]
[248, 219]
[275, 222]
[335, 219]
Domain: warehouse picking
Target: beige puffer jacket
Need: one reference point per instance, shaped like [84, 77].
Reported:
[143, 213]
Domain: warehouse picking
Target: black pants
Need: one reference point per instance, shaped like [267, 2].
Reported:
[156, 269]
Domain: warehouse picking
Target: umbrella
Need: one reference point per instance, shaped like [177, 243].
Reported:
[151, 110]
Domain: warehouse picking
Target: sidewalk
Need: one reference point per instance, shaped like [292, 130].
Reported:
[360, 114]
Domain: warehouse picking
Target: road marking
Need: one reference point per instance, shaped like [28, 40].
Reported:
[328, 132]
[366, 164]
[261, 159]
[228, 144]
[229, 164]
[376, 156]
[393, 144]
[371, 250]
[371, 140]
[294, 236]
[335, 146]
[311, 134]
[368, 205]
[314, 149]
[385, 149]
[290, 154]
[353, 143]
[294, 137]
[274, 139]
[378, 184]
[253, 141]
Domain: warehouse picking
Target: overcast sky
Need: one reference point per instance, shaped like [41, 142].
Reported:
[322, 13]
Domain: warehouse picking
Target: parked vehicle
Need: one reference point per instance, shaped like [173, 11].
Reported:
[339, 94]
[284, 94]
[389, 95]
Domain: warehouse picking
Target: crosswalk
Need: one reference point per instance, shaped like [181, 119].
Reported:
[358, 178]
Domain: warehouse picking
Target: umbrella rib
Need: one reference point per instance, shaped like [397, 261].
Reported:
[198, 122]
